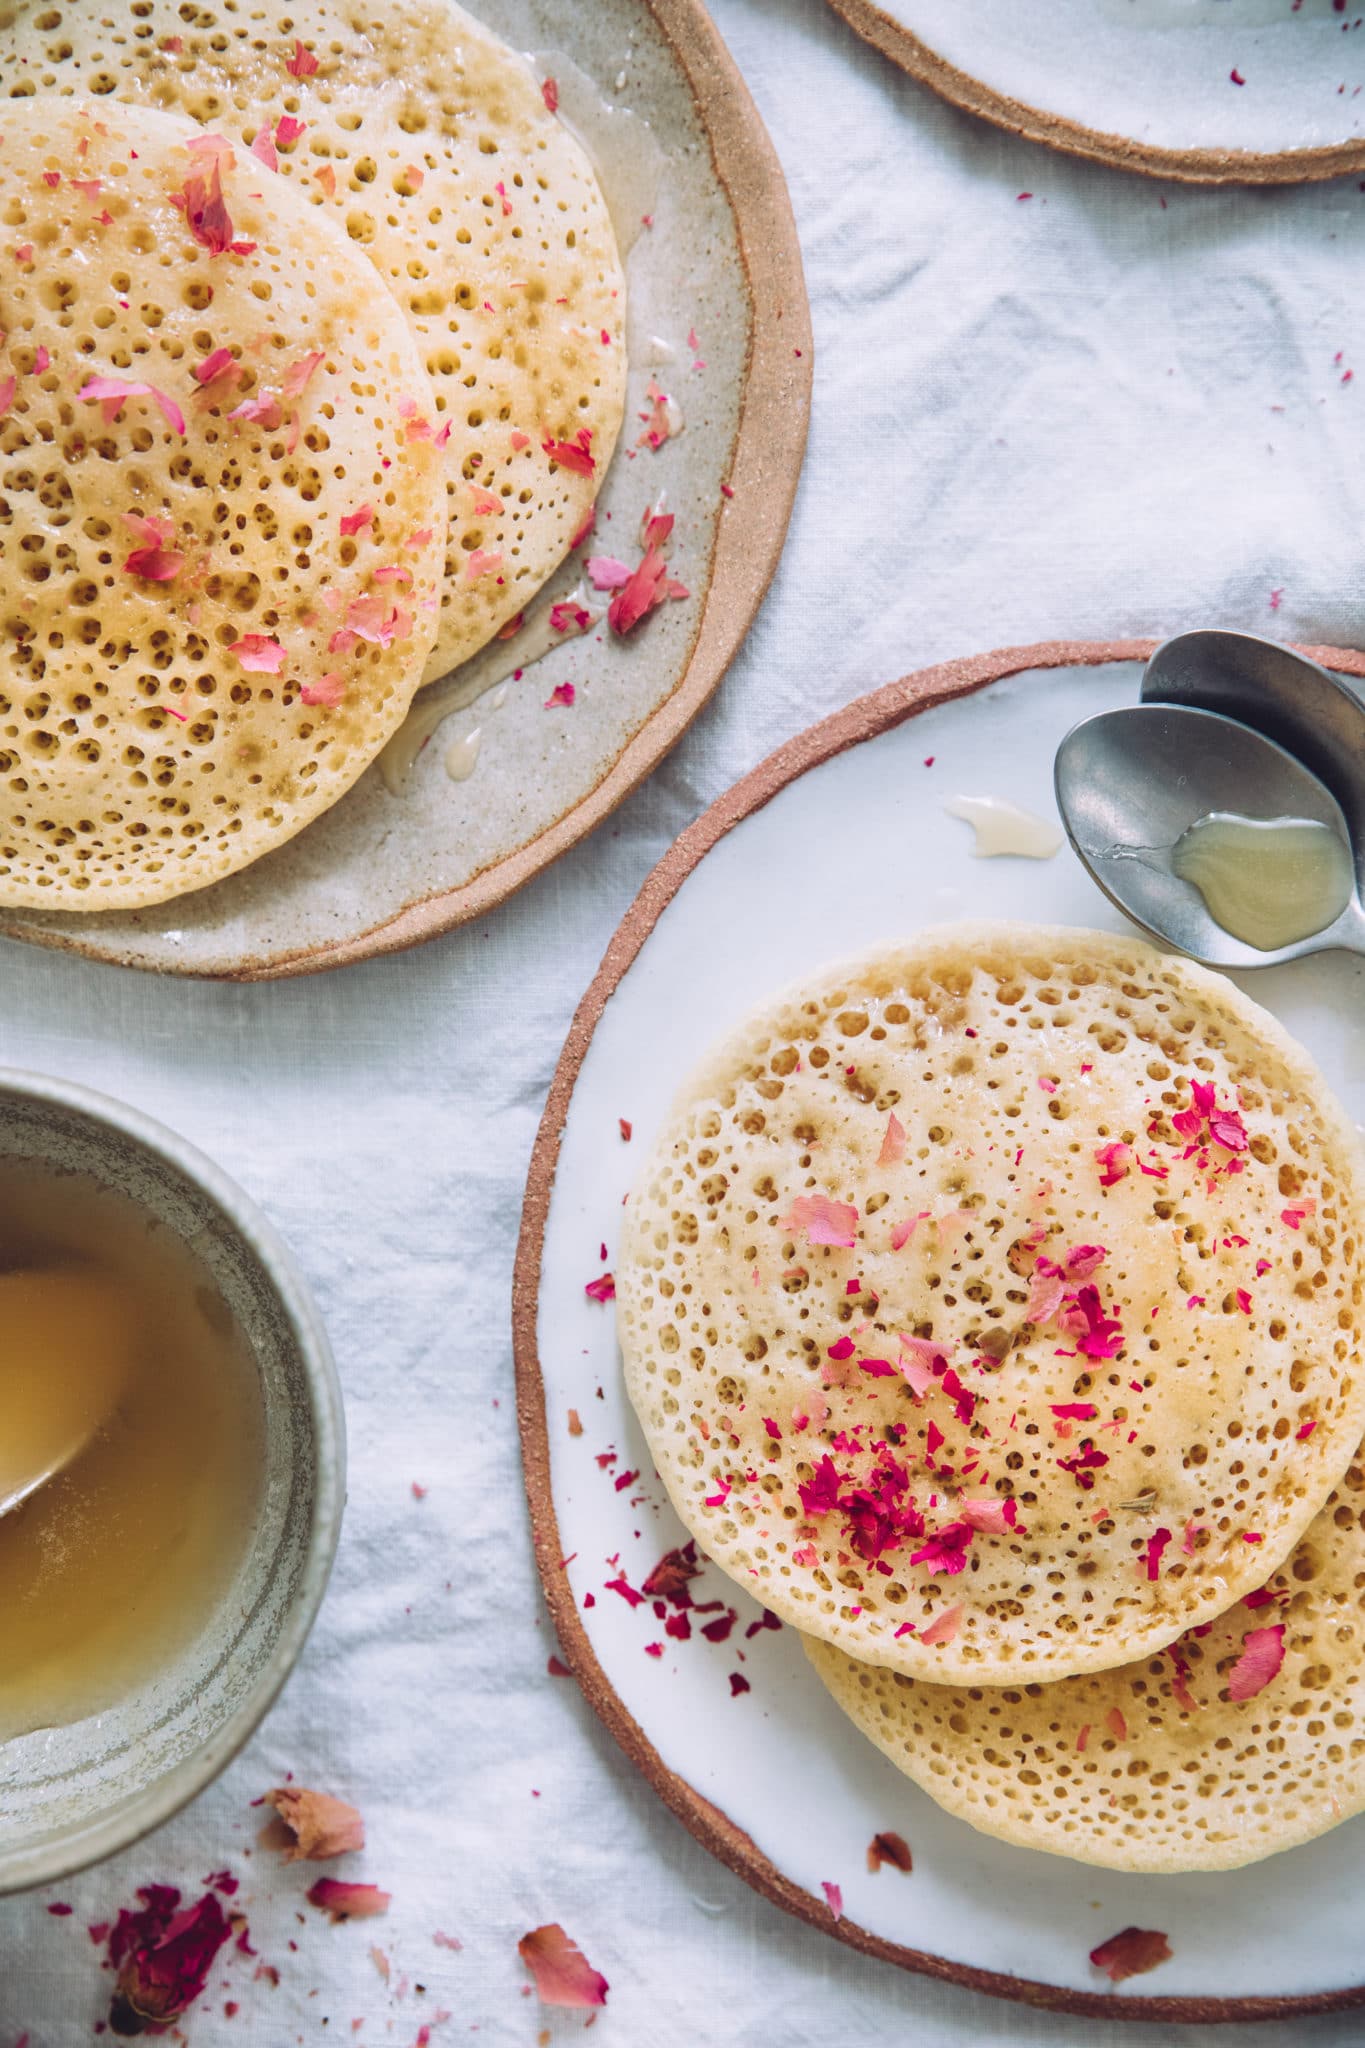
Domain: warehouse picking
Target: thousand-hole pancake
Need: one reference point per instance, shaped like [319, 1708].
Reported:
[220, 544]
[430, 143]
[992, 1304]
[1159, 1765]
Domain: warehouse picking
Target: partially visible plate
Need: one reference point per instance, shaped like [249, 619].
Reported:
[719, 316]
[1209, 91]
[836, 842]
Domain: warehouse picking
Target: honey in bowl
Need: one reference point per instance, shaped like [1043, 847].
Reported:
[125, 1379]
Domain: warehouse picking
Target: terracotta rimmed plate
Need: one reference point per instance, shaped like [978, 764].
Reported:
[1206, 91]
[837, 841]
[720, 263]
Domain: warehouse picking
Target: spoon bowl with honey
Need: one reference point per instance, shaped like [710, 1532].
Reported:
[1210, 836]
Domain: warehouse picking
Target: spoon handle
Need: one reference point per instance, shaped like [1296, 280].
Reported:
[1347, 935]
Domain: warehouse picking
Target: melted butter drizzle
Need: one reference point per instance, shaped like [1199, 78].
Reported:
[462, 758]
[1003, 828]
[620, 145]
[494, 664]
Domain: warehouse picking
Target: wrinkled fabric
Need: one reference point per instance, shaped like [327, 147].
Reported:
[1110, 407]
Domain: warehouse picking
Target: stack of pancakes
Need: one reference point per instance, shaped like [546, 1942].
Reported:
[312, 359]
[993, 1309]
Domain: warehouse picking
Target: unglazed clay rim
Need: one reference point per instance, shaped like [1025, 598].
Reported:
[1073, 138]
[78, 1846]
[769, 445]
[865, 718]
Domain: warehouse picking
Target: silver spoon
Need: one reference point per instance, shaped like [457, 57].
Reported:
[1131, 782]
[65, 1353]
[1314, 715]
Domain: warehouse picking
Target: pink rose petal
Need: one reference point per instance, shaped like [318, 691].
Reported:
[1261, 1658]
[563, 1975]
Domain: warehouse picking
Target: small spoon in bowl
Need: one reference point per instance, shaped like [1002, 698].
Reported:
[66, 1343]
[1179, 813]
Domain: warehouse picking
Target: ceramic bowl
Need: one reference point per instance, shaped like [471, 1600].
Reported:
[71, 1795]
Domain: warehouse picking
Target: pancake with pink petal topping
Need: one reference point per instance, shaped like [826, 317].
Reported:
[992, 1304]
[431, 144]
[220, 543]
[1245, 1737]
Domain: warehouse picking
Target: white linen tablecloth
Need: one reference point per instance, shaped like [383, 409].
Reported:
[1050, 401]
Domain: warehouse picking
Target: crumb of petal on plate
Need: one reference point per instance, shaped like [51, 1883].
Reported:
[1131, 1953]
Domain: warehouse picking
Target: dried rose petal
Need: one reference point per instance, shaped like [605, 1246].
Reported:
[943, 1628]
[112, 393]
[348, 1901]
[946, 1551]
[889, 1848]
[823, 1221]
[893, 1144]
[163, 1957]
[205, 209]
[299, 375]
[1156, 1544]
[991, 1517]
[576, 454]
[328, 690]
[1116, 1160]
[151, 531]
[1131, 1953]
[1260, 1661]
[562, 1972]
[321, 1825]
[155, 565]
[605, 572]
[258, 653]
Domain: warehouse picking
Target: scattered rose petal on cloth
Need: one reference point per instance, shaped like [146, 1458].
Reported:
[563, 1975]
[348, 1901]
[163, 1956]
[320, 1825]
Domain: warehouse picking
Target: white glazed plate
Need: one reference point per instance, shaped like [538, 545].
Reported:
[838, 856]
[1266, 90]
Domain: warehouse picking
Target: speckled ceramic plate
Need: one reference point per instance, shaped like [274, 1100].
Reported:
[739, 1736]
[651, 85]
[1209, 91]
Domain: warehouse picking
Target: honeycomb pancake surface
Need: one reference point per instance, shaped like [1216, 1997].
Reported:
[430, 143]
[942, 1376]
[176, 583]
[1154, 1766]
